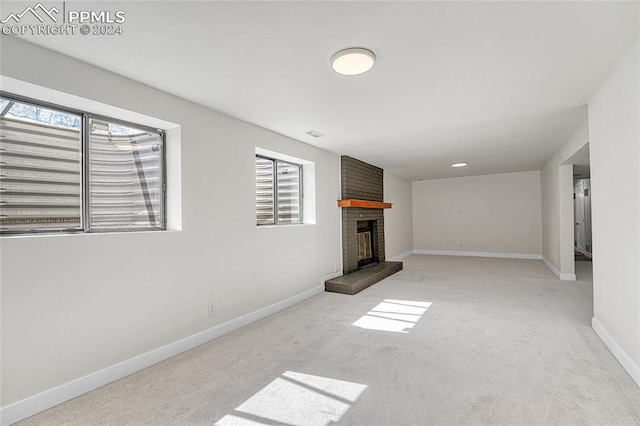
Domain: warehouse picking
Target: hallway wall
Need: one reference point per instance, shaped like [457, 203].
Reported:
[614, 130]
[557, 205]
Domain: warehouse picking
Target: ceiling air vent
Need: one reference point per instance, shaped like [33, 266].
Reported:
[314, 134]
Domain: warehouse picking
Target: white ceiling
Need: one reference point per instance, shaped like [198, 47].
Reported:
[498, 84]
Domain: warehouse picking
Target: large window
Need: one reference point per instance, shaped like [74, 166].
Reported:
[69, 171]
[278, 192]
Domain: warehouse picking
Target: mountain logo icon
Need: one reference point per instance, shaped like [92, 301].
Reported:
[38, 11]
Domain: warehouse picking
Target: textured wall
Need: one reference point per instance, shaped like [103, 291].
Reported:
[360, 180]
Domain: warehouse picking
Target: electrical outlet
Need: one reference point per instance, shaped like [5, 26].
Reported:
[335, 268]
[481, 246]
[212, 309]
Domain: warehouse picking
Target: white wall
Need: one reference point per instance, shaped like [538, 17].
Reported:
[492, 213]
[72, 305]
[614, 130]
[557, 205]
[398, 229]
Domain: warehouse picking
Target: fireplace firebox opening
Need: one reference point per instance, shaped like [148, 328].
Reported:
[367, 243]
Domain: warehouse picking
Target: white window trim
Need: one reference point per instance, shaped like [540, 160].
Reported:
[308, 186]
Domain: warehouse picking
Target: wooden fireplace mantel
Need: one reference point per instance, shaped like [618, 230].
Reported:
[364, 204]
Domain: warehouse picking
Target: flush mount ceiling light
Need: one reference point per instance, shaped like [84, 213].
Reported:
[353, 61]
[460, 164]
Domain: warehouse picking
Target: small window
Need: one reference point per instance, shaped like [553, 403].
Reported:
[125, 177]
[40, 185]
[278, 192]
[67, 171]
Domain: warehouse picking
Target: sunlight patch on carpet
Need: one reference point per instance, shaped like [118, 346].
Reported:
[393, 315]
[296, 399]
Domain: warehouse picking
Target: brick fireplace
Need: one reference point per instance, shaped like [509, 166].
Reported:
[363, 249]
[360, 181]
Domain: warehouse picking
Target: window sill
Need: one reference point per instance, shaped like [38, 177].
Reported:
[83, 234]
[287, 225]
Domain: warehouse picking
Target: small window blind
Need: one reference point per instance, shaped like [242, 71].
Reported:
[288, 193]
[40, 185]
[125, 177]
[265, 200]
[278, 192]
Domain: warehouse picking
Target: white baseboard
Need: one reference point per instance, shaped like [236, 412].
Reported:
[551, 266]
[34, 404]
[623, 358]
[480, 254]
[562, 275]
[401, 256]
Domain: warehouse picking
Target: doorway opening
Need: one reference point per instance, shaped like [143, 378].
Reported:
[582, 242]
[582, 216]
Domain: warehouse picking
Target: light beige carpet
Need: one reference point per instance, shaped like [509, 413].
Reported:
[447, 341]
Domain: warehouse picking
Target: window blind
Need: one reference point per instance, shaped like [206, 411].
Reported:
[125, 177]
[278, 192]
[40, 186]
[265, 200]
[288, 193]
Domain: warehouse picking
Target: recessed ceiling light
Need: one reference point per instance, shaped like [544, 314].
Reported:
[353, 61]
[460, 164]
